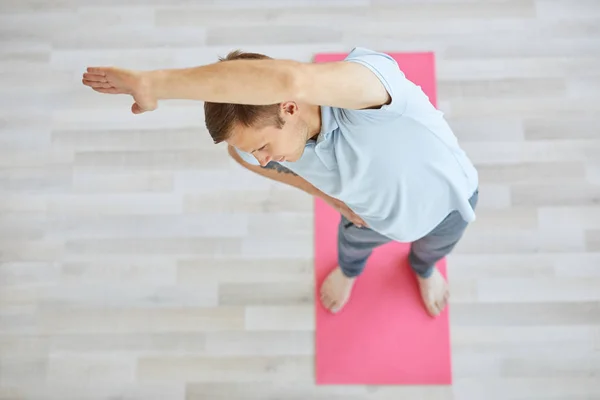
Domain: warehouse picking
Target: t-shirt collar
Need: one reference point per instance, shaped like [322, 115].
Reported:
[328, 124]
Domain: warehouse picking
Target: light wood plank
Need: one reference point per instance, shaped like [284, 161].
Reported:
[513, 340]
[499, 129]
[447, 10]
[513, 47]
[82, 296]
[242, 36]
[493, 388]
[270, 343]
[494, 196]
[129, 140]
[576, 194]
[138, 270]
[501, 152]
[583, 88]
[473, 267]
[155, 160]
[297, 391]
[293, 293]
[101, 368]
[232, 270]
[503, 88]
[224, 369]
[527, 314]
[277, 318]
[36, 250]
[111, 182]
[557, 217]
[592, 239]
[533, 173]
[593, 173]
[552, 366]
[272, 200]
[90, 204]
[294, 245]
[530, 66]
[18, 370]
[30, 273]
[561, 9]
[97, 391]
[208, 225]
[538, 290]
[559, 128]
[481, 238]
[79, 321]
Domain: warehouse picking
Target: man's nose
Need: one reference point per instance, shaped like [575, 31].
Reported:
[263, 161]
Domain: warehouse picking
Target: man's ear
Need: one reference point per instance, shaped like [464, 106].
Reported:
[289, 107]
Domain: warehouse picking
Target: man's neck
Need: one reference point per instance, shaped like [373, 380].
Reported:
[314, 122]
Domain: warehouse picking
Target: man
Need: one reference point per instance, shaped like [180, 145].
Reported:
[356, 133]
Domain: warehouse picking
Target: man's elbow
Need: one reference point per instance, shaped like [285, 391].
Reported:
[234, 154]
[296, 81]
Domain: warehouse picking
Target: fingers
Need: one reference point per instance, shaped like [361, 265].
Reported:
[96, 84]
[352, 217]
[136, 109]
[94, 77]
[358, 221]
[108, 91]
[97, 71]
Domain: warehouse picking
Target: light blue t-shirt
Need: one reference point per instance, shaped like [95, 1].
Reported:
[399, 167]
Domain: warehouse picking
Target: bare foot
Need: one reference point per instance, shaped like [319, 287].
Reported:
[434, 292]
[335, 290]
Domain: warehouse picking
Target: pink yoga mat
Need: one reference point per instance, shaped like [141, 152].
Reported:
[383, 336]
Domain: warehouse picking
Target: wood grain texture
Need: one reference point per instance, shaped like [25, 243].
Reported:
[139, 262]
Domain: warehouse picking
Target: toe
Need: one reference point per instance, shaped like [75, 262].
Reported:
[434, 310]
[327, 302]
[330, 304]
[439, 306]
[445, 300]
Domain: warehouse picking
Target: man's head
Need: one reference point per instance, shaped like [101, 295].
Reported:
[273, 132]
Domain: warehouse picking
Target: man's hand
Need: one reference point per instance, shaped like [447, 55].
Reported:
[343, 209]
[121, 81]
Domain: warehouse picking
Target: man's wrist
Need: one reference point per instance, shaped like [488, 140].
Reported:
[323, 196]
[156, 82]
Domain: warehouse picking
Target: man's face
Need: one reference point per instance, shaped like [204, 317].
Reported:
[271, 143]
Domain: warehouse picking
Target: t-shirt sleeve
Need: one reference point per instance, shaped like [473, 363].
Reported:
[389, 73]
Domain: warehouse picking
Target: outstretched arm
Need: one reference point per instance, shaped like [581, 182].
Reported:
[338, 84]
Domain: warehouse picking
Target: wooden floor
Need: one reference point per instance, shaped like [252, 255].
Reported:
[139, 262]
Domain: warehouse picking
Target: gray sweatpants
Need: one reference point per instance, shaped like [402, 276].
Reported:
[355, 244]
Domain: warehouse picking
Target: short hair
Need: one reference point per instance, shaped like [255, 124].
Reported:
[220, 118]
